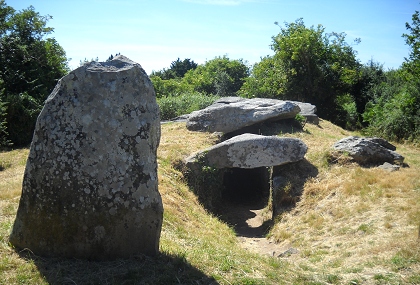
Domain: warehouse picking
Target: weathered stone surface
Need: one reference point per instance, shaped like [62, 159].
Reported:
[308, 111]
[90, 186]
[369, 150]
[233, 113]
[389, 167]
[251, 151]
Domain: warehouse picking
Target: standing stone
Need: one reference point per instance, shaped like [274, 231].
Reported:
[90, 187]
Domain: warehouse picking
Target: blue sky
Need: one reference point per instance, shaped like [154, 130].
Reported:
[156, 32]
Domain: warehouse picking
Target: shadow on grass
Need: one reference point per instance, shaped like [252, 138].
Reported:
[254, 216]
[161, 269]
[243, 218]
[288, 184]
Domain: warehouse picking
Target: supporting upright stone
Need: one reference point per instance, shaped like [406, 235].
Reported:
[90, 186]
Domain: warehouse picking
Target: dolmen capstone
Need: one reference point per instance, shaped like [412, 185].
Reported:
[250, 151]
[369, 151]
[90, 187]
[230, 114]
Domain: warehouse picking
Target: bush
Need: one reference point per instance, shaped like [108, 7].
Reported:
[309, 65]
[4, 142]
[396, 117]
[219, 76]
[22, 113]
[174, 106]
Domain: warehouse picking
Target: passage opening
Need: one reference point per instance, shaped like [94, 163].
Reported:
[246, 186]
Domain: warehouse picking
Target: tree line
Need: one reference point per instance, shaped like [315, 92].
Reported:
[308, 65]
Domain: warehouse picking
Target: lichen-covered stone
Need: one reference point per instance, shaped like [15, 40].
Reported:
[368, 151]
[90, 187]
[230, 114]
[250, 151]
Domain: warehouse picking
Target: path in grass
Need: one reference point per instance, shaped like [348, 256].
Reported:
[251, 226]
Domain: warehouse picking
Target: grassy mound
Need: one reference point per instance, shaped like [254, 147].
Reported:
[352, 225]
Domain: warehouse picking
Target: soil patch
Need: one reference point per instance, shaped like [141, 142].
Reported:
[251, 223]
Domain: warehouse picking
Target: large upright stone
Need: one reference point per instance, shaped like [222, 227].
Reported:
[90, 186]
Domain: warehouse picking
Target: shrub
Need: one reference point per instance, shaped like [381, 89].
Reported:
[396, 117]
[4, 142]
[174, 106]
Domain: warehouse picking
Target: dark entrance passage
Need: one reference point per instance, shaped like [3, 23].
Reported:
[245, 195]
[246, 186]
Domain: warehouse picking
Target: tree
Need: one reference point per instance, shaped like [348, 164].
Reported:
[394, 111]
[365, 88]
[177, 69]
[219, 76]
[309, 65]
[4, 141]
[30, 65]
[412, 39]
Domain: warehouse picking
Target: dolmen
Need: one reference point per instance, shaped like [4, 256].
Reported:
[90, 187]
[229, 114]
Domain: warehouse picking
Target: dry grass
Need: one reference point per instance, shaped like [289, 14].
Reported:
[351, 221]
[12, 165]
[352, 225]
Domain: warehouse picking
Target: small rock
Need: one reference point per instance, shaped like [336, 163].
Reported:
[369, 151]
[389, 167]
[288, 252]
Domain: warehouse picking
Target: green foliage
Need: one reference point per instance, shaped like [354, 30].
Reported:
[205, 181]
[301, 120]
[348, 104]
[394, 111]
[309, 66]
[413, 41]
[22, 113]
[4, 142]
[220, 76]
[396, 114]
[30, 65]
[267, 80]
[177, 69]
[404, 258]
[174, 106]
[170, 87]
[371, 75]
